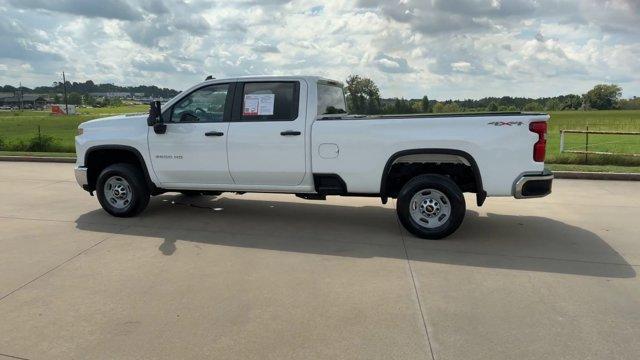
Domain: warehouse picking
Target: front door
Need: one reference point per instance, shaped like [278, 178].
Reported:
[194, 148]
[266, 144]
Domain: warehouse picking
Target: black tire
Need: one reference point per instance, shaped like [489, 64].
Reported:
[139, 190]
[454, 197]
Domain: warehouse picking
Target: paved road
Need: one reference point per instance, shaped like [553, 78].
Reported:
[276, 277]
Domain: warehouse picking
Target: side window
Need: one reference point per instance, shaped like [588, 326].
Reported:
[331, 99]
[206, 104]
[270, 101]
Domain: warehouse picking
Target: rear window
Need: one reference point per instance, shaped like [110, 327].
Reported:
[270, 101]
[331, 99]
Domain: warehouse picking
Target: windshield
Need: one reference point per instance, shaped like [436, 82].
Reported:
[331, 99]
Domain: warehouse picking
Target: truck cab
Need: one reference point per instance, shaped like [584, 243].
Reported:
[252, 146]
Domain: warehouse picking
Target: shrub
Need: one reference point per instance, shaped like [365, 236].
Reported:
[41, 143]
[18, 145]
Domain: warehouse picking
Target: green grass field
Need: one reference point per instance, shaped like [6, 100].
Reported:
[17, 127]
[627, 120]
[37, 154]
[594, 168]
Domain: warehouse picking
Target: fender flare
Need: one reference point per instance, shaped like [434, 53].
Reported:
[481, 194]
[131, 149]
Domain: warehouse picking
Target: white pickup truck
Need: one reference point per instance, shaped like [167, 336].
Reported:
[293, 135]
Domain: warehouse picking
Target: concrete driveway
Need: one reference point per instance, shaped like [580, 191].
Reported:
[277, 277]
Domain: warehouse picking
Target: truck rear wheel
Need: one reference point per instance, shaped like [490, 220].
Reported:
[122, 191]
[431, 206]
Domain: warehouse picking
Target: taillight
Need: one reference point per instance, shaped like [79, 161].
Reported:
[540, 147]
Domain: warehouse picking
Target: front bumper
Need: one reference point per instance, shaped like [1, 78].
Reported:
[81, 176]
[533, 185]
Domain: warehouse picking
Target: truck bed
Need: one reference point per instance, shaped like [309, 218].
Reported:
[437, 115]
[500, 143]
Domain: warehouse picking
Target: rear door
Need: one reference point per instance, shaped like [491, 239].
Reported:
[194, 148]
[266, 144]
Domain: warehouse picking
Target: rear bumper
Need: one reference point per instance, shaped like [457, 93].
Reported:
[533, 185]
[81, 176]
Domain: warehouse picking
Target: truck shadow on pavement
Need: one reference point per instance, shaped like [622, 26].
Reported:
[497, 241]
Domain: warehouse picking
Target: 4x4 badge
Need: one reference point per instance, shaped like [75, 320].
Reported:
[506, 123]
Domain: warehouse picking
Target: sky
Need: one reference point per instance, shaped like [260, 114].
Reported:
[442, 48]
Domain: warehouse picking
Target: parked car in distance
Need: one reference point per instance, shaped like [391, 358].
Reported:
[292, 134]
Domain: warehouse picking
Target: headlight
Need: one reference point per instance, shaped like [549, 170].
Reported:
[80, 131]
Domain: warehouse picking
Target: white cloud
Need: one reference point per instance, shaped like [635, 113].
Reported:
[446, 49]
[461, 66]
[392, 64]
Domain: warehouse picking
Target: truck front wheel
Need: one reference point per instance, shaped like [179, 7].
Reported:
[431, 206]
[122, 191]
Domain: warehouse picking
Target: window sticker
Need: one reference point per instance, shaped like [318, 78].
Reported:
[258, 104]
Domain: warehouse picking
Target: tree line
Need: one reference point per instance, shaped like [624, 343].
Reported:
[84, 88]
[363, 97]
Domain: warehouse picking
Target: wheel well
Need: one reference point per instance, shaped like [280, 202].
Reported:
[98, 159]
[402, 172]
[456, 165]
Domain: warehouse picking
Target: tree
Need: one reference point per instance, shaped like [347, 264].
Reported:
[89, 100]
[630, 104]
[571, 102]
[447, 107]
[424, 104]
[533, 106]
[363, 95]
[493, 107]
[75, 98]
[553, 105]
[603, 97]
[452, 108]
[402, 106]
[416, 106]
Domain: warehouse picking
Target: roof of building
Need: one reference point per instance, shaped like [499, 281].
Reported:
[25, 97]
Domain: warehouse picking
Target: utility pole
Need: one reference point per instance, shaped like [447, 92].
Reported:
[66, 104]
[21, 97]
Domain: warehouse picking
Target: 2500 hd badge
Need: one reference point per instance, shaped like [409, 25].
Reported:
[176, 157]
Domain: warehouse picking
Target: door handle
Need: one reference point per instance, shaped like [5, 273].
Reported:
[290, 133]
[213, 133]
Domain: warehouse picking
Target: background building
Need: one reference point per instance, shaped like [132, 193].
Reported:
[24, 101]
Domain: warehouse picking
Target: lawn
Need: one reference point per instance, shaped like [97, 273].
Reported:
[628, 120]
[18, 127]
[593, 168]
[21, 126]
[38, 154]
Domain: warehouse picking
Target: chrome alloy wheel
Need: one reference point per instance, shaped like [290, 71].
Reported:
[118, 192]
[430, 208]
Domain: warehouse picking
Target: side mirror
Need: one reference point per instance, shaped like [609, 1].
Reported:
[160, 128]
[155, 118]
[155, 113]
